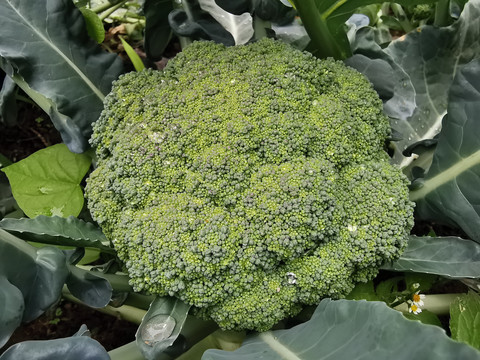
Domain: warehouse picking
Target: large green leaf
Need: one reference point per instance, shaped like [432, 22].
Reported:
[77, 347]
[390, 81]
[55, 230]
[91, 289]
[48, 182]
[347, 329]
[432, 56]
[465, 319]
[161, 326]
[450, 191]
[45, 46]
[448, 256]
[13, 306]
[38, 285]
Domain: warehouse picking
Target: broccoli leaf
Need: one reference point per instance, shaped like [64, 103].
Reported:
[346, 329]
[26, 294]
[90, 288]
[432, 57]
[65, 69]
[48, 182]
[161, 326]
[57, 230]
[447, 256]
[450, 190]
[388, 78]
[79, 346]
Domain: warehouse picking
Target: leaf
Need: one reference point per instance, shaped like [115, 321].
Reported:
[8, 104]
[239, 26]
[197, 24]
[157, 32]
[12, 305]
[274, 11]
[7, 202]
[423, 281]
[385, 289]
[363, 291]
[38, 285]
[55, 230]
[77, 347]
[235, 7]
[93, 290]
[432, 56]
[425, 317]
[465, 319]
[389, 79]
[94, 25]
[133, 56]
[346, 329]
[450, 191]
[452, 257]
[161, 326]
[45, 48]
[48, 182]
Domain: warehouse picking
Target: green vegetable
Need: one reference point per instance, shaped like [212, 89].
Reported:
[248, 181]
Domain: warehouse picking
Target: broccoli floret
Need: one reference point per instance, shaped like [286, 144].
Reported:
[247, 181]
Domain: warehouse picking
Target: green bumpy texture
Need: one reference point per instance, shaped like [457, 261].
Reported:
[247, 181]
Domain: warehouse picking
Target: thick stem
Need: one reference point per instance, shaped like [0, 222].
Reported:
[259, 27]
[317, 29]
[129, 351]
[442, 13]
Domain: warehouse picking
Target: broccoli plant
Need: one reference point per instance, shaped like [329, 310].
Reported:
[248, 181]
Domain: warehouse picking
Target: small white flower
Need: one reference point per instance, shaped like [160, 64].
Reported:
[414, 309]
[417, 299]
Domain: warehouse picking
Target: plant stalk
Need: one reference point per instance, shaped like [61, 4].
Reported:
[317, 29]
[442, 13]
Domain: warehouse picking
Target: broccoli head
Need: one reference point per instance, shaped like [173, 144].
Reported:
[247, 181]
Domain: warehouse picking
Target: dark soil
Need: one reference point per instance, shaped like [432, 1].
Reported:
[65, 319]
[33, 131]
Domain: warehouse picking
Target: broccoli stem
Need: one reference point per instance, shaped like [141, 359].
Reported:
[317, 29]
[128, 351]
[442, 13]
[259, 27]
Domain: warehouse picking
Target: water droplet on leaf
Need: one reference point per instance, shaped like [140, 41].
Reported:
[157, 329]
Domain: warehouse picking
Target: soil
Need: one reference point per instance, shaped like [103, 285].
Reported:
[65, 319]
